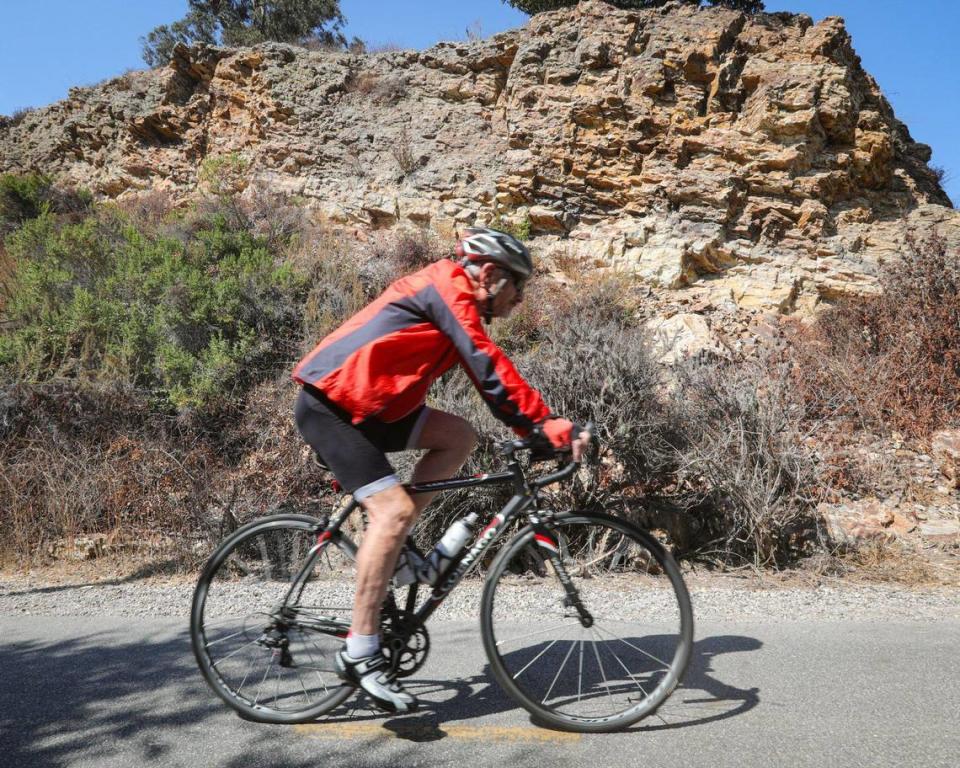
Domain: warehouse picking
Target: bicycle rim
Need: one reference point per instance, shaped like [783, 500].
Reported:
[264, 647]
[616, 670]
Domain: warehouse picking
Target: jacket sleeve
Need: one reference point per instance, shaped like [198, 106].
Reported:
[510, 398]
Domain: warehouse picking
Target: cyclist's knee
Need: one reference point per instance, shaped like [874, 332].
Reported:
[462, 435]
[392, 509]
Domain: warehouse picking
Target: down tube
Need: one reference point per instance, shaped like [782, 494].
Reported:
[487, 536]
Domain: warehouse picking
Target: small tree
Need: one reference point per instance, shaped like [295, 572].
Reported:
[247, 22]
[538, 6]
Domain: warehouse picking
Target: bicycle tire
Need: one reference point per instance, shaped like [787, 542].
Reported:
[231, 612]
[606, 558]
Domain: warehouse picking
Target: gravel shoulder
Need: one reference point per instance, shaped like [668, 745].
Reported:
[721, 598]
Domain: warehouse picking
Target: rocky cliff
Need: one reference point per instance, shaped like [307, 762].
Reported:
[748, 160]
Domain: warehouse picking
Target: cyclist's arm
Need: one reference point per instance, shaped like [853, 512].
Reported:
[510, 398]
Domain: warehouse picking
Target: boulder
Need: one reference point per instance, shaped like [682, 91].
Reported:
[683, 336]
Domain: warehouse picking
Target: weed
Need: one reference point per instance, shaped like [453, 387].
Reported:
[517, 226]
[402, 150]
[379, 89]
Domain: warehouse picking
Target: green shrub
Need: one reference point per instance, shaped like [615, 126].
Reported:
[519, 228]
[192, 317]
[21, 198]
[24, 197]
[224, 174]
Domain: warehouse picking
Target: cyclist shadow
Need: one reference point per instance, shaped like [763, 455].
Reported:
[701, 697]
[716, 699]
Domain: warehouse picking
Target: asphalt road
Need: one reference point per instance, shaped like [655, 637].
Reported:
[125, 692]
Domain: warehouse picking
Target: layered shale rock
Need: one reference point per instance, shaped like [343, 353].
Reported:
[739, 162]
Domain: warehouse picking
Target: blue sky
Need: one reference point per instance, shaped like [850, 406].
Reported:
[911, 48]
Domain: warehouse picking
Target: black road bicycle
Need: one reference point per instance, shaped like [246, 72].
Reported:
[601, 637]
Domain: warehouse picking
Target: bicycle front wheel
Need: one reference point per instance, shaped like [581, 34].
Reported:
[607, 662]
[271, 608]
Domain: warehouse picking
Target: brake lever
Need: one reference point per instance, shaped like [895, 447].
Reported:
[510, 447]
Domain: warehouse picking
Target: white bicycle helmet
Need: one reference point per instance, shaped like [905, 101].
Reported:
[480, 244]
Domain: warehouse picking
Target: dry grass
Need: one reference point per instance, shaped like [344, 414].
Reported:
[891, 362]
[378, 88]
[884, 563]
[154, 487]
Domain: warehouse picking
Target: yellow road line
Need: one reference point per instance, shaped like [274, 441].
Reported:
[427, 731]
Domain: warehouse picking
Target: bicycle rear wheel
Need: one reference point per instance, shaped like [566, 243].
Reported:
[602, 668]
[271, 608]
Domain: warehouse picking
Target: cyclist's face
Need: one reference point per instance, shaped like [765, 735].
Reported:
[509, 295]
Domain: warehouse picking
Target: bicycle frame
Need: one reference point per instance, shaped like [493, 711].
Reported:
[525, 496]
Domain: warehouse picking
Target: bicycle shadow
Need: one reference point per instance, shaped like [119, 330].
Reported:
[111, 695]
[480, 696]
[102, 697]
[55, 694]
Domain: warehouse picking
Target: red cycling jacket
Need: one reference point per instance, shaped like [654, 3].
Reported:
[382, 361]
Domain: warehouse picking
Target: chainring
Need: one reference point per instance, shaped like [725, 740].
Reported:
[404, 642]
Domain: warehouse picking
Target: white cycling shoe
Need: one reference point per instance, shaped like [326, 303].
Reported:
[373, 675]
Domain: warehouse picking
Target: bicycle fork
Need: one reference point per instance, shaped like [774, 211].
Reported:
[545, 539]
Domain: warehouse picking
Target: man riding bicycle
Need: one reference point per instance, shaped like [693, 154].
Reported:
[364, 392]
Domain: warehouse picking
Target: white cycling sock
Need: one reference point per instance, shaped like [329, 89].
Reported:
[359, 646]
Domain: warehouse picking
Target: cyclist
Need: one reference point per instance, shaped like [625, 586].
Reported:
[363, 393]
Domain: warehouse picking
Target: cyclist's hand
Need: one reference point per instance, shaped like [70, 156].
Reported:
[559, 432]
[564, 435]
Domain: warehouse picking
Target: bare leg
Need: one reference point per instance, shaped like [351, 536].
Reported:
[392, 513]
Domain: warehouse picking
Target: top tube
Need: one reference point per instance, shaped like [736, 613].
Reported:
[449, 484]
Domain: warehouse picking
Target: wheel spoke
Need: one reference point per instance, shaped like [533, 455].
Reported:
[243, 682]
[603, 674]
[557, 676]
[552, 643]
[580, 674]
[276, 688]
[306, 696]
[312, 661]
[661, 662]
[563, 687]
[222, 639]
[265, 675]
[237, 650]
[531, 634]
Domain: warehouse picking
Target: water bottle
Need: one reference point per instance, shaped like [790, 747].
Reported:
[447, 548]
[409, 565]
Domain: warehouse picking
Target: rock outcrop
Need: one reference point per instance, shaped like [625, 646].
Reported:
[749, 160]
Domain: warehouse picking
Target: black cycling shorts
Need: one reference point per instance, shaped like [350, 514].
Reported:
[355, 452]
